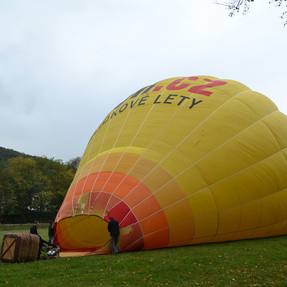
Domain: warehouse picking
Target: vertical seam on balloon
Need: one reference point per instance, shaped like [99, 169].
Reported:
[212, 195]
[280, 147]
[273, 135]
[136, 162]
[122, 154]
[210, 236]
[79, 177]
[200, 190]
[176, 111]
[141, 156]
[104, 161]
[111, 172]
[114, 144]
[218, 88]
[226, 233]
[146, 235]
[87, 214]
[206, 155]
[190, 133]
[260, 198]
[238, 195]
[146, 117]
[261, 95]
[246, 229]
[90, 168]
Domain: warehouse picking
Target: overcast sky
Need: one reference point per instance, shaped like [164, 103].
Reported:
[64, 64]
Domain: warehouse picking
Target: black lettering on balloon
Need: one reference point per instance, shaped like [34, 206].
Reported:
[104, 121]
[122, 108]
[114, 113]
[194, 103]
[159, 99]
[106, 118]
[169, 99]
[143, 100]
[133, 103]
[156, 101]
[120, 104]
[183, 98]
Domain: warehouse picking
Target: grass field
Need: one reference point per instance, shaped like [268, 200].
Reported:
[245, 263]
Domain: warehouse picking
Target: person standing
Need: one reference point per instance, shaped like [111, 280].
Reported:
[42, 242]
[51, 232]
[114, 230]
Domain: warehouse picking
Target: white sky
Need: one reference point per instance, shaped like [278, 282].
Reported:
[64, 64]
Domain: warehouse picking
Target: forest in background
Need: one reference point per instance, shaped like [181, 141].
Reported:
[32, 188]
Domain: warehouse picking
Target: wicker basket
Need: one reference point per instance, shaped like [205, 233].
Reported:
[21, 247]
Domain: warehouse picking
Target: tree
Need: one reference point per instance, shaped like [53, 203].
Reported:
[32, 188]
[235, 6]
[8, 201]
[74, 163]
[28, 183]
[60, 176]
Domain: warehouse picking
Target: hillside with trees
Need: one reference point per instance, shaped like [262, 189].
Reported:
[5, 154]
[32, 188]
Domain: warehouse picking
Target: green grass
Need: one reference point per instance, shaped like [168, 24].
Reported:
[244, 263]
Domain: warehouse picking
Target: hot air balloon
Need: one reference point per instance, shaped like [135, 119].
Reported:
[184, 161]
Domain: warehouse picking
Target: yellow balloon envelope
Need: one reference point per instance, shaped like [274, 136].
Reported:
[184, 161]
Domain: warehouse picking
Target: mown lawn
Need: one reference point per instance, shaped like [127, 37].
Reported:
[246, 263]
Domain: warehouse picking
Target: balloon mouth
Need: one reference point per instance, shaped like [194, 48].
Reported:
[120, 196]
[88, 232]
[82, 233]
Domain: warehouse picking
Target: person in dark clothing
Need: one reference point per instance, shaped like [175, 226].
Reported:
[114, 230]
[51, 232]
[42, 242]
[34, 230]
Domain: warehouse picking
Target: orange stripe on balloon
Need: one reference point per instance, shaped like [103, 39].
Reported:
[93, 192]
